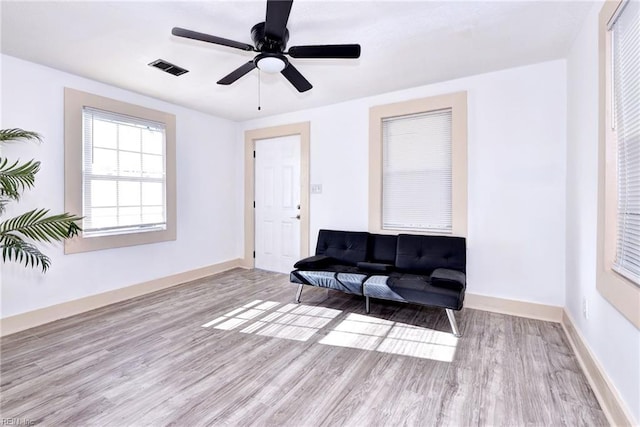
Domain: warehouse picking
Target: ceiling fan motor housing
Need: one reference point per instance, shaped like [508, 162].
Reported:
[266, 44]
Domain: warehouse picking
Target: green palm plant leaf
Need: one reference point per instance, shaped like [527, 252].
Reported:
[15, 178]
[16, 249]
[36, 225]
[15, 134]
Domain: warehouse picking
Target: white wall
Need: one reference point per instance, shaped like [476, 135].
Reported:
[612, 338]
[208, 187]
[517, 133]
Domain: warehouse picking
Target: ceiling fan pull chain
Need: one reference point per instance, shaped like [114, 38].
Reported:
[258, 89]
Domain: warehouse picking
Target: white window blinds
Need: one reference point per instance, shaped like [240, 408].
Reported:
[626, 92]
[416, 172]
[123, 175]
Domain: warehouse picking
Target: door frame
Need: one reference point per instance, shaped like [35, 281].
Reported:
[250, 136]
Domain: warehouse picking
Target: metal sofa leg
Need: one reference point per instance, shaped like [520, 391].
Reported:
[452, 320]
[299, 293]
[367, 304]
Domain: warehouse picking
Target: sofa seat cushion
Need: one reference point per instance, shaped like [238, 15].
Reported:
[445, 278]
[377, 267]
[349, 282]
[316, 262]
[414, 289]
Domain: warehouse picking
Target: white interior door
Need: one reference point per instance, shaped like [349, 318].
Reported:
[277, 198]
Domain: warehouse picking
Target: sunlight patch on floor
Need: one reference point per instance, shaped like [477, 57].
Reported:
[293, 321]
[290, 321]
[241, 315]
[300, 322]
[367, 333]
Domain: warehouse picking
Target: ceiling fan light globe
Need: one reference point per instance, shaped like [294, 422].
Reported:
[271, 64]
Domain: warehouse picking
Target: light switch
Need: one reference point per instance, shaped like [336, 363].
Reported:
[316, 188]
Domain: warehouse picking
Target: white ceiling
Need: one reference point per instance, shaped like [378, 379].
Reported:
[404, 44]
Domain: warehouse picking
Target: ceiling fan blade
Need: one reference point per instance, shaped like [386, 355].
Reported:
[181, 32]
[326, 51]
[277, 17]
[237, 73]
[296, 79]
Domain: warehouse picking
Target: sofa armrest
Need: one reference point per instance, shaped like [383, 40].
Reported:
[446, 278]
[315, 262]
[375, 267]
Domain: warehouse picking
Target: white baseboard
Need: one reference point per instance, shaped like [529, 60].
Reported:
[20, 322]
[531, 310]
[612, 405]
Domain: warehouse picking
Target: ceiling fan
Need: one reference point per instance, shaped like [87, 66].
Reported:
[270, 40]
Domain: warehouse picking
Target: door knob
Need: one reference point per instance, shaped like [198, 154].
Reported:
[295, 217]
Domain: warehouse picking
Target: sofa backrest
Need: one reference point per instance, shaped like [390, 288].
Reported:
[349, 247]
[423, 254]
[382, 248]
[407, 252]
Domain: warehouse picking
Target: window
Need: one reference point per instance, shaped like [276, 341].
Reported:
[416, 172]
[418, 166]
[123, 175]
[618, 257]
[625, 62]
[120, 172]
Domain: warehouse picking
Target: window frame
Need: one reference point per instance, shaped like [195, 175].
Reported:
[74, 101]
[621, 292]
[457, 102]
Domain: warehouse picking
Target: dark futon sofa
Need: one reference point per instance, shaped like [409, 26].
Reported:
[416, 269]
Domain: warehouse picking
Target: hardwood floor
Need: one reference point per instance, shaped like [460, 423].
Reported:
[259, 359]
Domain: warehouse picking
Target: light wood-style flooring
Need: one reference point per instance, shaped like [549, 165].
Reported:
[234, 350]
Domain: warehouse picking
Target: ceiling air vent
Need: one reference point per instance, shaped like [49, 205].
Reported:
[168, 67]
